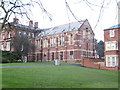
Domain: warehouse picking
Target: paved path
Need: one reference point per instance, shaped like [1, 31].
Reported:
[39, 66]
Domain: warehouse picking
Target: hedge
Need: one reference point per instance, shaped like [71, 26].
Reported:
[8, 56]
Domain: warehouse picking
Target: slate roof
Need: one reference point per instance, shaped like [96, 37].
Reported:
[61, 29]
[25, 27]
[113, 27]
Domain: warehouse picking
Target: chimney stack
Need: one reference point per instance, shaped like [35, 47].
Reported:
[15, 21]
[31, 23]
[36, 25]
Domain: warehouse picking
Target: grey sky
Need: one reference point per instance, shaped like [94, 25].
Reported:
[82, 11]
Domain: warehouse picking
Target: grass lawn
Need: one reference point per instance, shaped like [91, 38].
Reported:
[27, 64]
[57, 77]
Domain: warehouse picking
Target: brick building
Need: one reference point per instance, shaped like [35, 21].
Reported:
[70, 42]
[112, 46]
[15, 29]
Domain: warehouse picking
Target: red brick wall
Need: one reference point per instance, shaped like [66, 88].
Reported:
[117, 37]
[88, 63]
[78, 44]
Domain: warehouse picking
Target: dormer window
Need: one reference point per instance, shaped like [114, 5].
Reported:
[112, 33]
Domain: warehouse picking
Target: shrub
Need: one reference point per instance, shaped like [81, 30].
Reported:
[8, 56]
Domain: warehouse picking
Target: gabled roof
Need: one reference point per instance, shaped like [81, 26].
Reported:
[113, 27]
[62, 28]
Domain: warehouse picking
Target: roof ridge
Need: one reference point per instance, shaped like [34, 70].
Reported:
[65, 24]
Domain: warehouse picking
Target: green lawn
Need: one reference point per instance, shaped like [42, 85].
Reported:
[27, 64]
[57, 77]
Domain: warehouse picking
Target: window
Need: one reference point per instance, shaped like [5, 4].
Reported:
[71, 39]
[113, 61]
[71, 52]
[52, 41]
[84, 53]
[108, 61]
[45, 43]
[8, 46]
[24, 33]
[89, 54]
[61, 55]
[37, 43]
[52, 55]
[61, 40]
[71, 55]
[29, 34]
[8, 34]
[19, 32]
[33, 35]
[112, 33]
[111, 45]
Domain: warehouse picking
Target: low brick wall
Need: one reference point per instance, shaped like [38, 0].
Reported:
[97, 63]
[71, 61]
[88, 63]
[109, 68]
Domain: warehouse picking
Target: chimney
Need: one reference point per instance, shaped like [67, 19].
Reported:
[15, 21]
[31, 23]
[36, 25]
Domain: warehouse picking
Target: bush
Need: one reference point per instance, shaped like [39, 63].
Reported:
[8, 56]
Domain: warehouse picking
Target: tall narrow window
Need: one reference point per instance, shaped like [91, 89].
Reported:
[108, 61]
[113, 61]
[61, 55]
[52, 55]
[54, 41]
[62, 40]
[45, 42]
[33, 35]
[71, 39]
[29, 34]
[8, 46]
[8, 34]
[71, 55]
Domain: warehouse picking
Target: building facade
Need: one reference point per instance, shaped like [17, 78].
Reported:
[15, 29]
[112, 46]
[70, 43]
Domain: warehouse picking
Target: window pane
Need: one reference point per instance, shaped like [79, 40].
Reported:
[113, 61]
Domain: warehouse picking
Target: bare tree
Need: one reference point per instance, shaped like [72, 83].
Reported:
[22, 45]
[18, 8]
[104, 3]
[23, 8]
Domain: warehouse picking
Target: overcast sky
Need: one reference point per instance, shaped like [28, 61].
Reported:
[82, 11]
